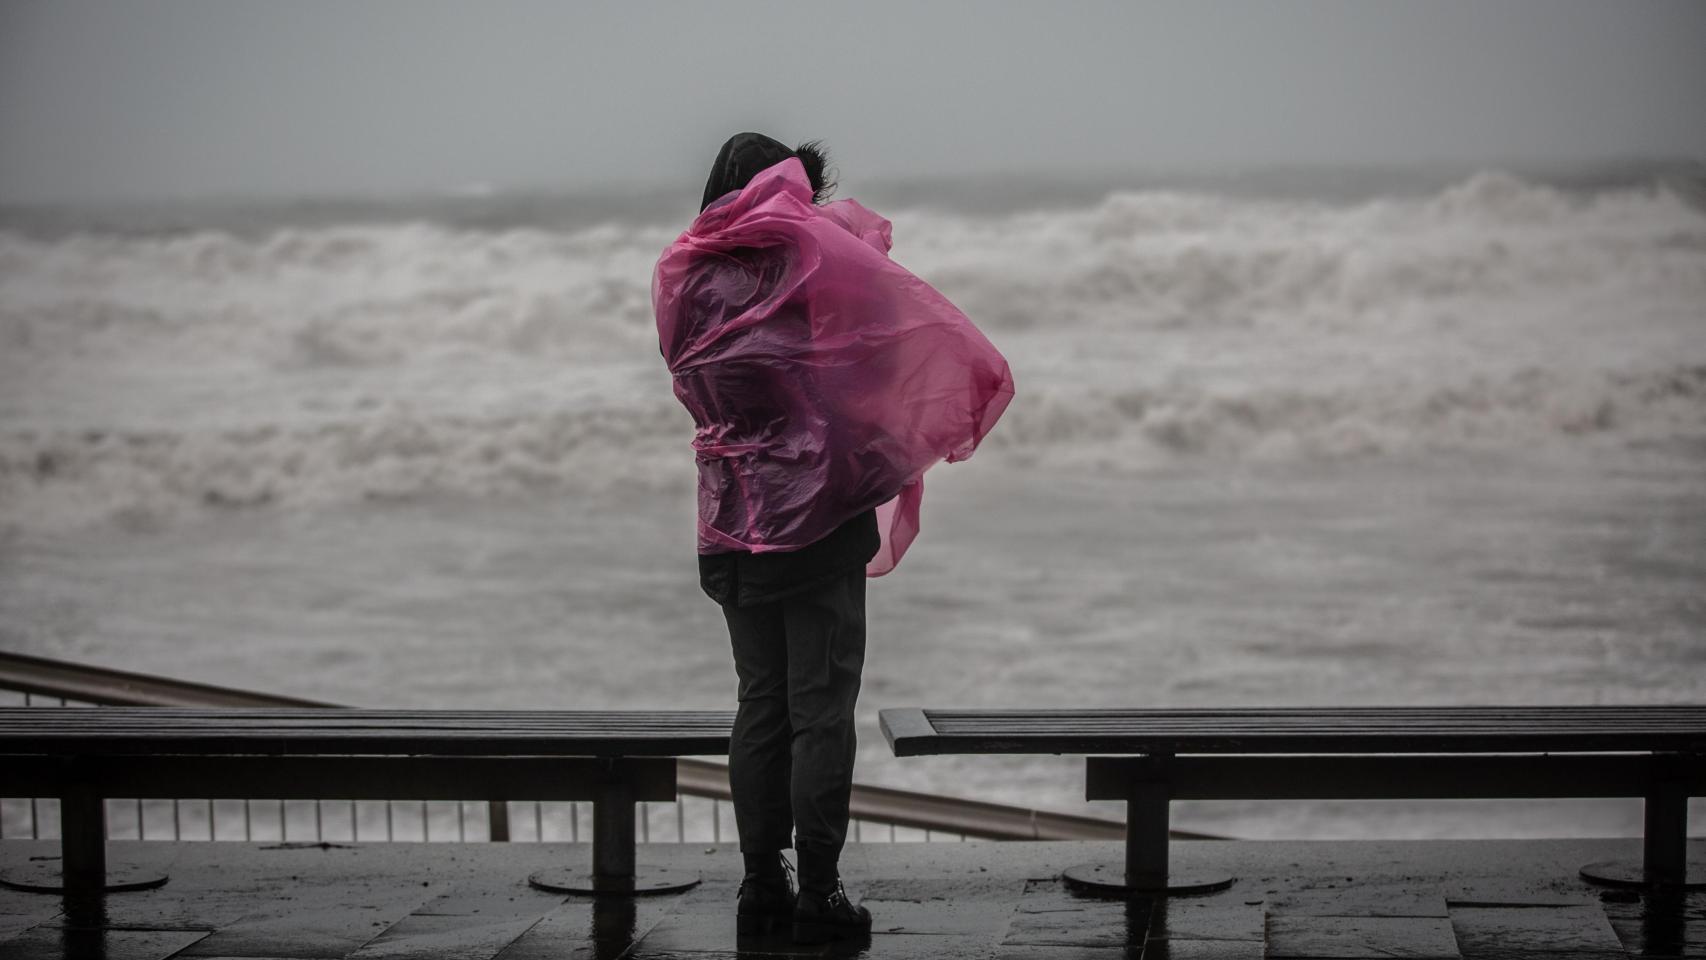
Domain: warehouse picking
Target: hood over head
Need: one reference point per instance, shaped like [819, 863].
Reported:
[742, 157]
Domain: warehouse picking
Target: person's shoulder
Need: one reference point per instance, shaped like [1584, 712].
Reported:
[861, 221]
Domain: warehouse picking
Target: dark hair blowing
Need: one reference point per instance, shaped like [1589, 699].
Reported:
[815, 158]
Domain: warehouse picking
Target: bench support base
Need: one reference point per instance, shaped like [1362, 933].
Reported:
[81, 869]
[614, 872]
[1108, 879]
[613, 784]
[47, 877]
[1664, 851]
[1145, 784]
[645, 881]
[1630, 873]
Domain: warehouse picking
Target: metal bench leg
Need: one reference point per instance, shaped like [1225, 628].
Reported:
[83, 842]
[614, 871]
[1664, 848]
[613, 835]
[1664, 844]
[82, 867]
[1146, 823]
[1144, 784]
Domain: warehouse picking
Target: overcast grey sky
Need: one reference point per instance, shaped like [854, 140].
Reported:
[151, 98]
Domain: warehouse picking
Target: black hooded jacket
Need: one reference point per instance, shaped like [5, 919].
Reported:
[742, 578]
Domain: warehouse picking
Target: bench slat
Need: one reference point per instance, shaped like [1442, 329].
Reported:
[1354, 777]
[346, 778]
[317, 731]
[1502, 729]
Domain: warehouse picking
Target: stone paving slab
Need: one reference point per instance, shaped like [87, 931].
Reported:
[1577, 931]
[202, 898]
[1481, 899]
[1417, 898]
[1677, 928]
[15, 923]
[586, 928]
[1204, 950]
[938, 917]
[1317, 938]
[54, 943]
[1076, 930]
[1208, 918]
[446, 937]
[479, 899]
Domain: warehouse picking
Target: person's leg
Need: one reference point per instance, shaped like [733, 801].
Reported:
[759, 747]
[825, 629]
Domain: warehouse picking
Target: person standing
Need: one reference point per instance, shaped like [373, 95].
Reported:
[781, 326]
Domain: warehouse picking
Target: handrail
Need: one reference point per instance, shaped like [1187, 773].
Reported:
[120, 688]
[700, 778]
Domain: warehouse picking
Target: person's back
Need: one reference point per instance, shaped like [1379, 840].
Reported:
[796, 619]
[823, 380]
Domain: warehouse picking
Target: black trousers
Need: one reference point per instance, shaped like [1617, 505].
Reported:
[791, 755]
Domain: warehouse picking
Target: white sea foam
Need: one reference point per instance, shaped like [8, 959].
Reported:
[152, 376]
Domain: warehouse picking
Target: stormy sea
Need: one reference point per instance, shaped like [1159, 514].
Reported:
[1306, 439]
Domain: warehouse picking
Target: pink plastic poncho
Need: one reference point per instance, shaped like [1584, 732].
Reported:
[824, 378]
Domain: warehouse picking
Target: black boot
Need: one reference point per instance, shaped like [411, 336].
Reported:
[824, 915]
[766, 895]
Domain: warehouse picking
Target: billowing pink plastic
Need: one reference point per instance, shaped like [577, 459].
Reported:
[824, 377]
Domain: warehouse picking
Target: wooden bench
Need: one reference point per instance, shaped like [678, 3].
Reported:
[613, 759]
[1149, 758]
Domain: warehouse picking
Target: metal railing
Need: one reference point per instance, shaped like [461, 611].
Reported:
[698, 815]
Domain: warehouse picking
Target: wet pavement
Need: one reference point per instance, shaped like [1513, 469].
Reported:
[1505, 899]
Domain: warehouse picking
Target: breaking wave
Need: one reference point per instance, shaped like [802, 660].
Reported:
[157, 375]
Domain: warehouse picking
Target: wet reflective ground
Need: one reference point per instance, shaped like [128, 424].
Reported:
[1505, 899]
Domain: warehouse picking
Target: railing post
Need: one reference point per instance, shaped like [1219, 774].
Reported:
[497, 820]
